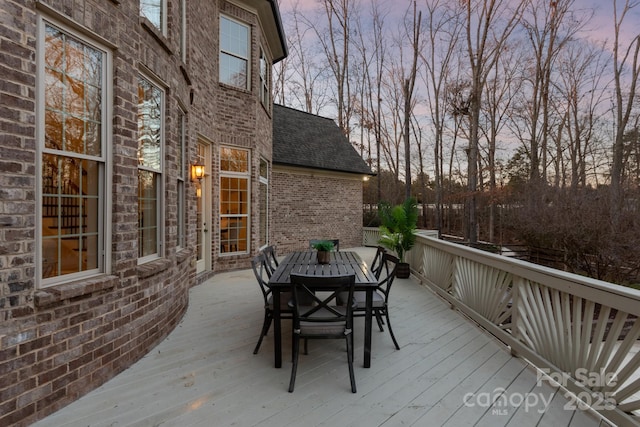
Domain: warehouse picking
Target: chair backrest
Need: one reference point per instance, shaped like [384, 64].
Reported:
[315, 299]
[376, 264]
[258, 264]
[270, 259]
[387, 274]
[336, 243]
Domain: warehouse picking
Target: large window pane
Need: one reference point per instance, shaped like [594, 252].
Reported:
[73, 94]
[72, 184]
[147, 213]
[263, 213]
[234, 37]
[265, 80]
[181, 181]
[234, 200]
[234, 195]
[233, 71]
[264, 202]
[234, 160]
[233, 237]
[70, 207]
[150, 105]
[149, 124]
[153, 11]
[234, 53]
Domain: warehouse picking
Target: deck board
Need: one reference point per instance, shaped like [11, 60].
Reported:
[205, 374]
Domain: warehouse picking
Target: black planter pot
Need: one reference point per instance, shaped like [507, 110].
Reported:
[324, 257]
[403, 271]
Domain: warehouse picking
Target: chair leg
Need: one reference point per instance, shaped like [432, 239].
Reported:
[393, 337]
[266, 324]
[294, 366]
[350, 362]
[379, 320]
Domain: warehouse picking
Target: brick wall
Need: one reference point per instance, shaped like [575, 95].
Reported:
[228, 116]
[61, 341]
[310, 204]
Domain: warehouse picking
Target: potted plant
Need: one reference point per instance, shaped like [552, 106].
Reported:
[324, 247]
[398, 230]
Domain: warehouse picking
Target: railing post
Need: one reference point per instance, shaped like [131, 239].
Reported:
[516, 289]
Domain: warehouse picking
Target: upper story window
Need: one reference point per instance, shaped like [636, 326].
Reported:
[265, 79]
[72, 132]
[150, 148]
[234, 53]
[156, 12]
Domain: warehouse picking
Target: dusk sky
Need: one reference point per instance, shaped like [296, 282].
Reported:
[601, 27]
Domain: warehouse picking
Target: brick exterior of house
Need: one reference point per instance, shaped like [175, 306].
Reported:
[314, 204]
[58, 342]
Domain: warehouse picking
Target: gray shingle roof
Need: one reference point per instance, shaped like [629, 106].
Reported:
[307, 140]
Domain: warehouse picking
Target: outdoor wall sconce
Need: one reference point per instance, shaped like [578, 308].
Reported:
[197, 172]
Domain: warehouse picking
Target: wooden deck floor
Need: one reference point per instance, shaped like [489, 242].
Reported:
[205, 374]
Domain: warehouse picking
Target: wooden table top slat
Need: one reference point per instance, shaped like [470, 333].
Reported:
[306, 262]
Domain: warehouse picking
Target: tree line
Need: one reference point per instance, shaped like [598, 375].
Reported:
[510, 121]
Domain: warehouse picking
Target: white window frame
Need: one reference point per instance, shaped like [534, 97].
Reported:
[236, 55]
[104, 159]
[159, 179]
[222, 216]
[265, 80]
[180, 188]
[162, 6]
[263, 182]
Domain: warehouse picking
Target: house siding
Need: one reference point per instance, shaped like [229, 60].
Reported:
[310, 204]
[59, 342]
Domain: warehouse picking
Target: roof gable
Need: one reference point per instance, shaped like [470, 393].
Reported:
[306, 140]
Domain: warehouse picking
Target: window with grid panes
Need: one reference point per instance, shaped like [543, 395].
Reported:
[234, 53]
[150, 148]
[234, 200]
[73, 124]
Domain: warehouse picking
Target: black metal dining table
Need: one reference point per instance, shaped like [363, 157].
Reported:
[306, 262]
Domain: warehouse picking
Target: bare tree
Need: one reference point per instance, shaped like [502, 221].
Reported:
[549, 27]
[501, 86]
[391, 121]
[579, 76]
[489, 24]
[336, 43]
[626, 62]
[376, 104]
[300, 76]
[443, 27]
[372, 51]
[408, 86]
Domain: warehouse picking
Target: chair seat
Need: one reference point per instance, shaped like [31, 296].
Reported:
[360, 298]
[322, 328]
[285, 301]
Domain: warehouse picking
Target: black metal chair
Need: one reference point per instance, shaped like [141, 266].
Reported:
[336, 243]
[376, 264]
[380, 302]
[260, 268]
[324, 318]
[271, 259]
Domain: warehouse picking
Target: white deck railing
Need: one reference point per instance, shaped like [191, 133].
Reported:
[582, 332]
